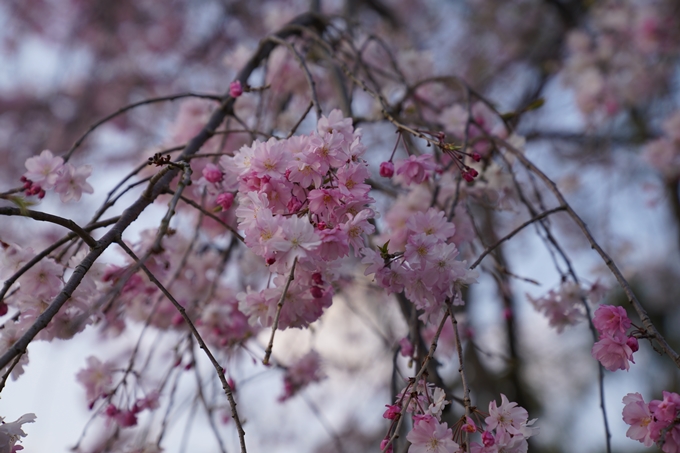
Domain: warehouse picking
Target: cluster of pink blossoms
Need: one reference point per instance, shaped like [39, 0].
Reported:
[36, 288]
[302, 200]
[654, 423]
[507, 426]
[301, 373]
[425, 403]
[97, 380]
[566, 305]
[615, 349]
[622, 59]
[427, 270]
[48, 172]
[210, 302]
[507, 429]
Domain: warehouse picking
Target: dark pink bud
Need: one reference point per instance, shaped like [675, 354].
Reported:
[271, 260]
[321, 225]
[225, 200]
[468, 177]
[383, 443]
[473, 172]
[387, 169]
[476, 156]
[235, 89]
[126, 419]
[212, 173]
[633, 344]
[469, 426]
[317, 279]
[111, 410]
[294, 205]
[392, 411]
[317, 292]
[488, 439]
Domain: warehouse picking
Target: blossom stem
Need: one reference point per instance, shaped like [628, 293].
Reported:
[279, 306]
[461, 369]
[182, 311]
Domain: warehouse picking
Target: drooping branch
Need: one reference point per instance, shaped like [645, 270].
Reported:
[218, 368]
[44, 217]
[309, 21]
[609, 262]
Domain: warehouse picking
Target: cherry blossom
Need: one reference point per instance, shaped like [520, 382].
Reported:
[96, 378]
[12, 432]
[430, 436]
[44, 169]
[301, 373]
[613, 352]
[71, 183]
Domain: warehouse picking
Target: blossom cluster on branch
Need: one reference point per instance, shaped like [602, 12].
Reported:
[341, 169]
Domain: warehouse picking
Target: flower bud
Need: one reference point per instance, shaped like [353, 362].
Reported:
[235, 89]
[387, 169]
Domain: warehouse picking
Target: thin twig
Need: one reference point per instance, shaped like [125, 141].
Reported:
[302, 118]
[218, 368]
[36, 259]
[491, 248]
[416, 379]
[207, 213]
[305, 69]
[279, 306]
[609, 262]
[44, 217]
[461, 369]
[120, 111]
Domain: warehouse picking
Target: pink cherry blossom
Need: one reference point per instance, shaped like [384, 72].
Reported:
[415, 169]
[636, 414]
[71, 183]
[469, 425]
[10, 433]
[301, 373]
[44, 169]
[563, 307]
[212, 173]
[430, 436]
[611, 319]
[225, 200]
[96, 378]
[613, 352]
[392, 411]
[235, 89]
[507, 417]
[405, 347]
[431, 222]
[387, 169]
[335, 122]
